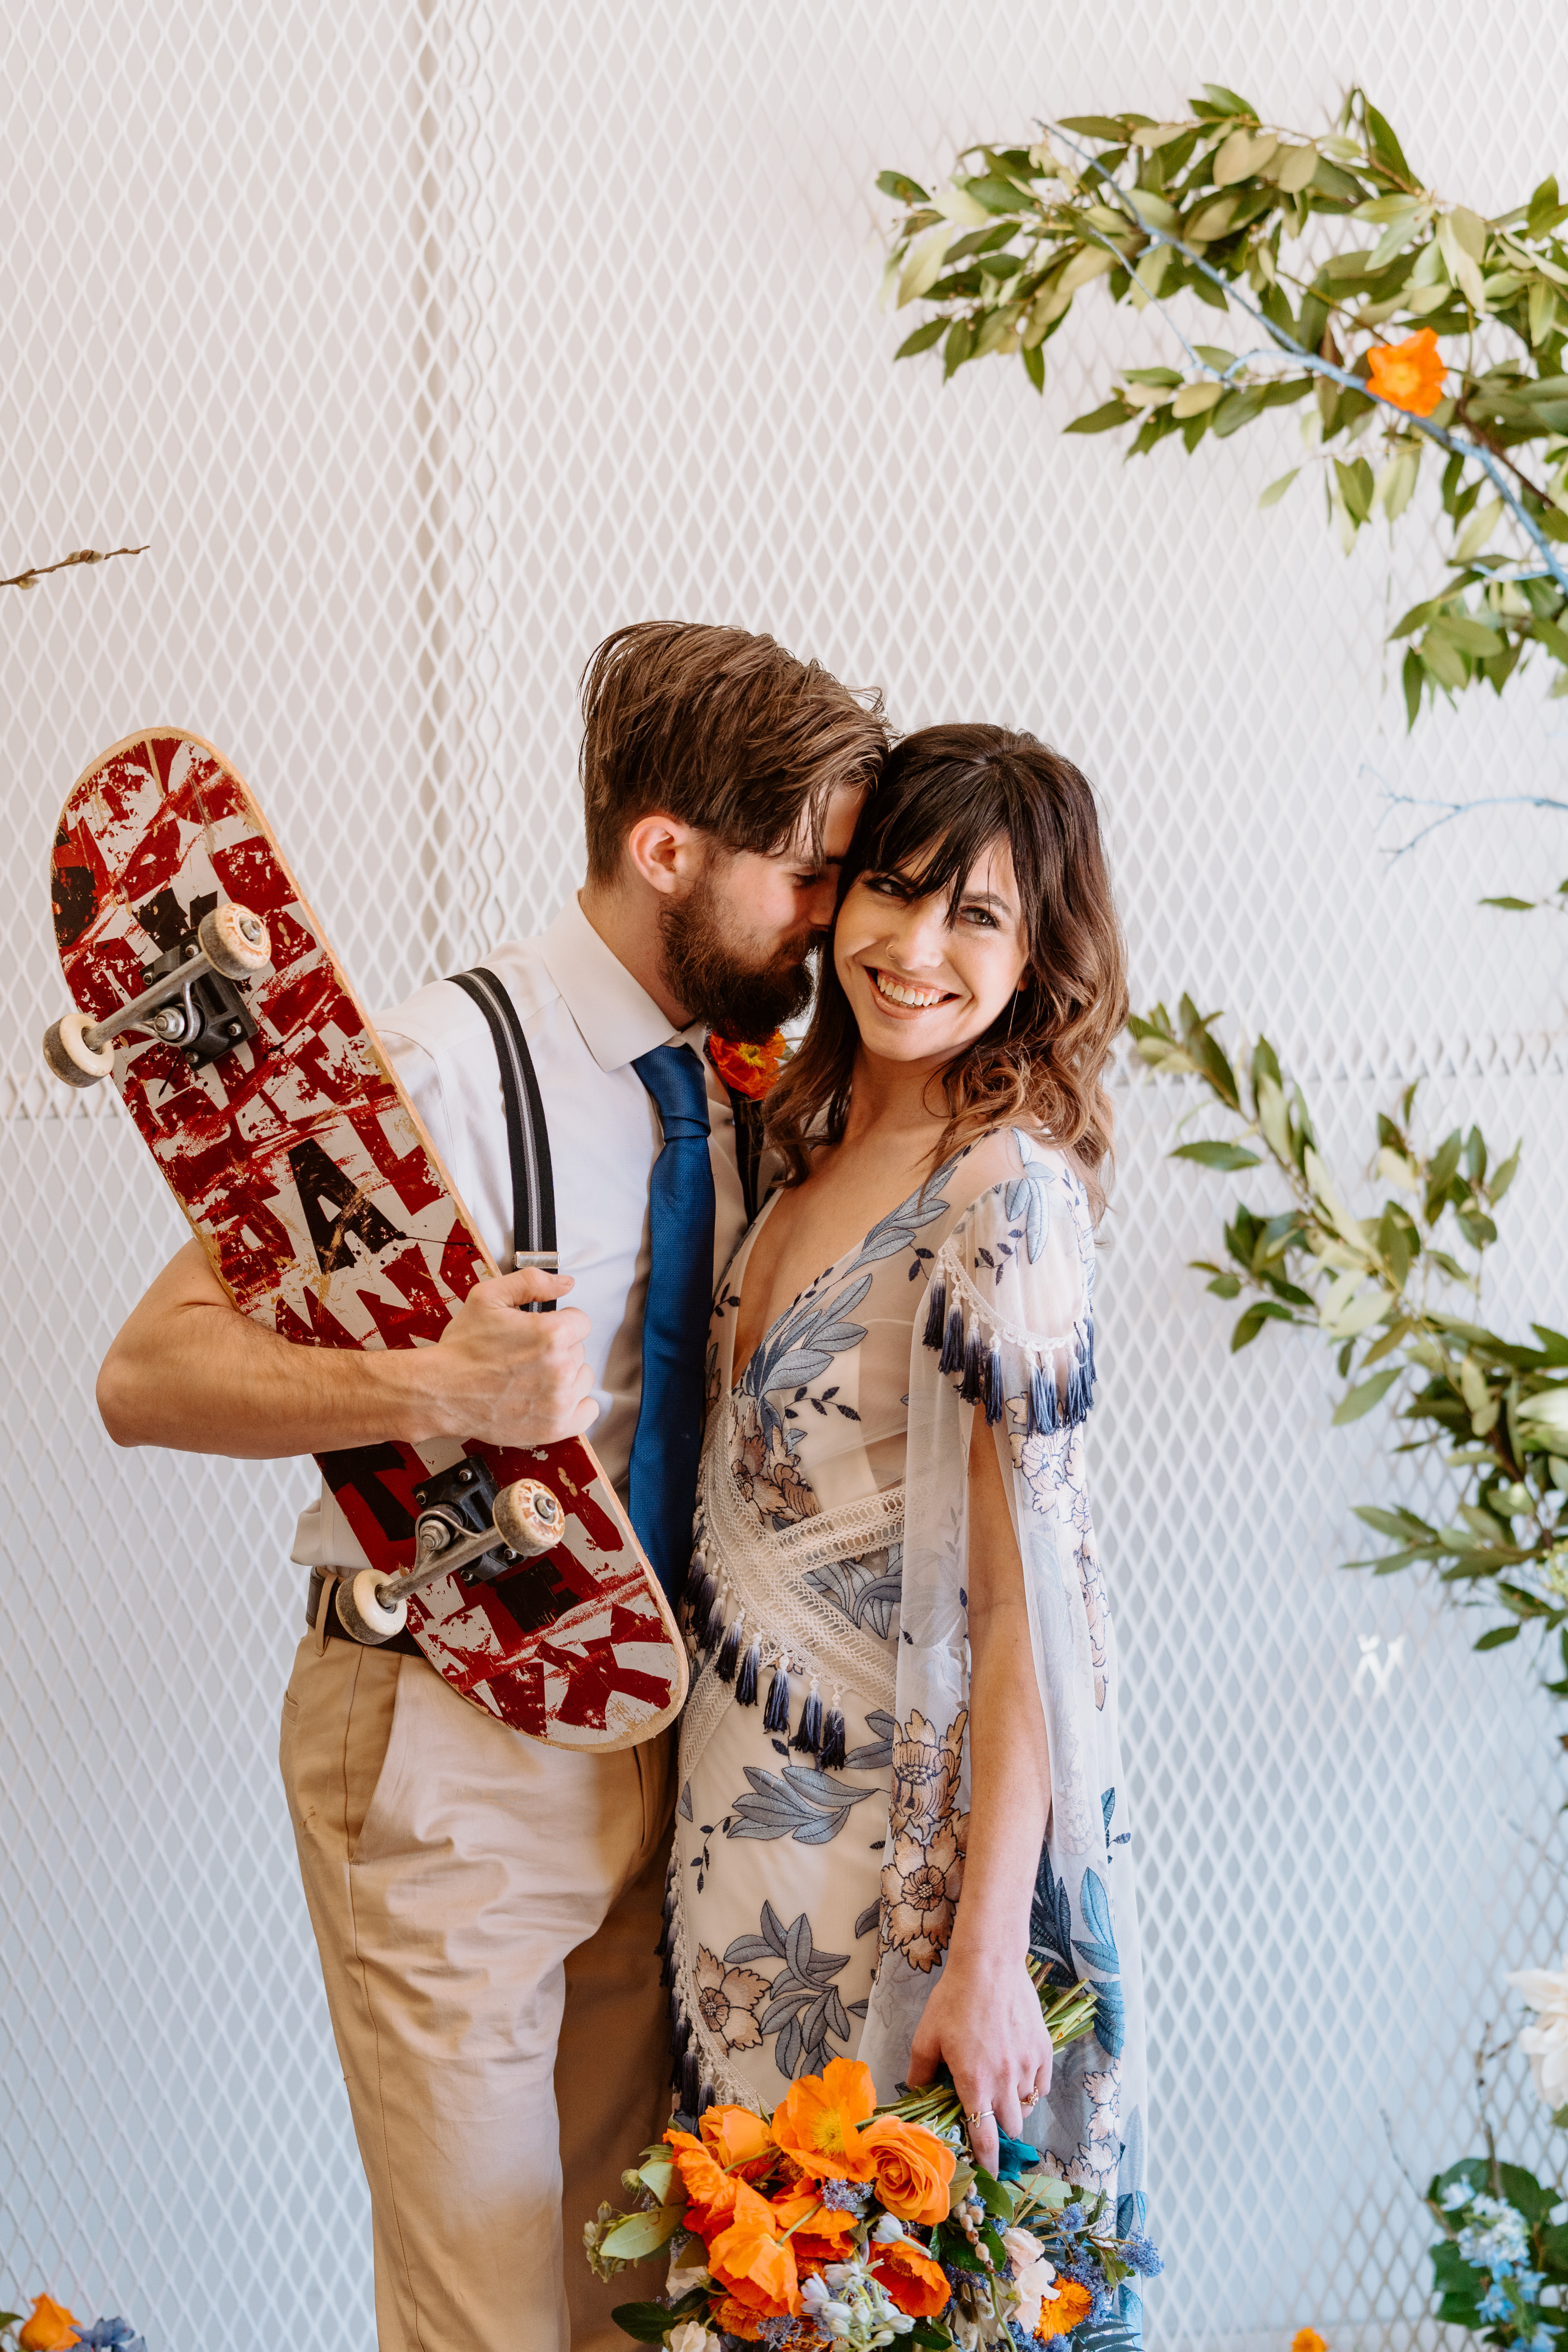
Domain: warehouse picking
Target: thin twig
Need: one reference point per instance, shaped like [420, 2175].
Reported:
[36, 572]
[1452, 809]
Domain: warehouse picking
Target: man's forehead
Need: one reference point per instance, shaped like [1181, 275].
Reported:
[837, 817]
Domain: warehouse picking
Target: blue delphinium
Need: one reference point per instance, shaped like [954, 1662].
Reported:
[111, 2336]
[1495, 2240]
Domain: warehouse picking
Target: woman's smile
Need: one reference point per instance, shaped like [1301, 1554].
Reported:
[906, 995]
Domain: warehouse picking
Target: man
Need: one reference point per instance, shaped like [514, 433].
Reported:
[488, 1908]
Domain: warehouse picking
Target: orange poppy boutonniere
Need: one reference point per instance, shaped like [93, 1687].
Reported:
[750, 1070]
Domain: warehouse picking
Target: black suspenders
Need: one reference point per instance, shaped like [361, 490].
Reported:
[528, 1138]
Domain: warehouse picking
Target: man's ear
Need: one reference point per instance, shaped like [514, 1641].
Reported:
[664, 851]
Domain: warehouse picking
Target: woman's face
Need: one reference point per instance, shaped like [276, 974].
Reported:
[923, 981]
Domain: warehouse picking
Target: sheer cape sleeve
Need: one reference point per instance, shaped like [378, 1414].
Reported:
[1004, 1354]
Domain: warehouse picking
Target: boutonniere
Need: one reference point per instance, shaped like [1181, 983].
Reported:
[749, 1070]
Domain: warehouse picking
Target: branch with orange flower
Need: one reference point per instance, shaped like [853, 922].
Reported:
[837, 2223]
[1243, 215]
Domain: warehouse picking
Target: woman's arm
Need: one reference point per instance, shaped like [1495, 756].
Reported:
[983, 2013]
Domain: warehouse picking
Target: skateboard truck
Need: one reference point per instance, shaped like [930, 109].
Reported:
[523, 1520]
[192, 1002]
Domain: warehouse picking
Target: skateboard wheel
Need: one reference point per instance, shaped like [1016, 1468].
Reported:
[528, 1517]
[70, 1055]
[361, 1612]
[234, 941]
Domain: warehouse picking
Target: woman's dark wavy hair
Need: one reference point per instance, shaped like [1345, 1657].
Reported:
[945, 795]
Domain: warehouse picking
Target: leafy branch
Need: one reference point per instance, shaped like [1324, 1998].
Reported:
[36, 572]
[1382, 1290]
[1231, 209]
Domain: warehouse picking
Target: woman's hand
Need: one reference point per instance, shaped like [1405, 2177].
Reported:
[983, 2017]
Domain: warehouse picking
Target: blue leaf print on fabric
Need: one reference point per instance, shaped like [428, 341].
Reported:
[804, 2008]
[1110, 2017]
[1099, 1948]
[878, 1754]
[859, 1590]
[1029, 1195]
[805, 1805]
[1050, 1923]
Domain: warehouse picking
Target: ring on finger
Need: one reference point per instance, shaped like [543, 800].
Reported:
[1029, 2098]
[978, 2115]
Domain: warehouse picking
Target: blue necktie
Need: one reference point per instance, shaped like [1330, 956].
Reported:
[668, 1441]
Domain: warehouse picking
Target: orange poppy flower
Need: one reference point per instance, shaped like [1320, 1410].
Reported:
[1307, 2339]
[917, 2285]
[736, 2320]
[1409, 374]
[750, 1070]
[754, 2264]
[913, 2168]
[816, 2121]
[715, 2198]
[51, 2327]
[1073, 2303]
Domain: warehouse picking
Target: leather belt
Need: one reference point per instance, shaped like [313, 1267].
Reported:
[318, 1599]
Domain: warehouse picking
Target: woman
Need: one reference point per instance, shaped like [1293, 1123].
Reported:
[904, 1680]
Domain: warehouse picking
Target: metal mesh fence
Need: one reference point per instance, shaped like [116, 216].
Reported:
[426, 342]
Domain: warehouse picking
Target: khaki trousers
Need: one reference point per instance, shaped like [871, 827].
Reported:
[487, 1910]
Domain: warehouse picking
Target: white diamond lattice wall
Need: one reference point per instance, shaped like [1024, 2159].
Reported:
[426, 342]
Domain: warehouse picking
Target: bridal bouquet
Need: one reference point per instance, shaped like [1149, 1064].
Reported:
[842, 2224]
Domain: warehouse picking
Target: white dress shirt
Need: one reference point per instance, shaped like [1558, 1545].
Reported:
[586, 1020]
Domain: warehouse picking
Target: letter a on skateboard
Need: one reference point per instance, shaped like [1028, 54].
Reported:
[206, 989]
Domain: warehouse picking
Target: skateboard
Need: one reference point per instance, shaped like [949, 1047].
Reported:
[206, 991]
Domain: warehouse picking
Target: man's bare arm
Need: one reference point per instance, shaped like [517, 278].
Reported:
[189, 1370]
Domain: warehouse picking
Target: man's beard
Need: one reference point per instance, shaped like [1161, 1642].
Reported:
[702, 972]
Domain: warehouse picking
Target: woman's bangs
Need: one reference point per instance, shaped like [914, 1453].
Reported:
[936, 848]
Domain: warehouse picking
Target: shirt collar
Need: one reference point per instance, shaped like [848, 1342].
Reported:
[618, 1019]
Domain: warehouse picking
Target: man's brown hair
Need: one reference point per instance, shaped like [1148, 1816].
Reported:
[725, 730]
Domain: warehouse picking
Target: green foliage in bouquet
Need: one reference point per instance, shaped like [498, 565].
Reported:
[1322, 248]
[1399, 1308]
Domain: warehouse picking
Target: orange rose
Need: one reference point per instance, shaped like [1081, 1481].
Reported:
[913, 2167]
[1073, 2303]
[1410, 373]
[816, 2121]
[51, 2327]
[917, 2285]
[739, 2139]
[756, 2264]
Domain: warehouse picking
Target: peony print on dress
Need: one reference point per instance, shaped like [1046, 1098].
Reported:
[922, 1874]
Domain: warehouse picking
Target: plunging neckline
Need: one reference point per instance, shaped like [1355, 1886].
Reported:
[743, 1257]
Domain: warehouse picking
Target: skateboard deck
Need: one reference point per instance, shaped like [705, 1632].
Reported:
[326, 1213]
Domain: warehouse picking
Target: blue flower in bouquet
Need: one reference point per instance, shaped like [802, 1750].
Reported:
[111, 2336]
[1458, 2193]
[1496, 2304]
[1495, 2240]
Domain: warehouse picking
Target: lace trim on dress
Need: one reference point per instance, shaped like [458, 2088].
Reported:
[970, 1334]
[700, 2078]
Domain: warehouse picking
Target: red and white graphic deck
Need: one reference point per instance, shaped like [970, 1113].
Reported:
[325, 1210]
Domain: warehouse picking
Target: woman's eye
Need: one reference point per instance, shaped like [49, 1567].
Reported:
[979, 915]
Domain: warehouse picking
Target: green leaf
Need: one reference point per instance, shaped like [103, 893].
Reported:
[1355, 487]
[1227, 100]
[645, 2322]
[641, 2234]
[1248, 1326]
[1095, 126]
[960, 344]
[1400, 1524]
[1217, 1155]
[1033, 357]
[1237, 409]
[1101, 420]
[923, 339]
[1497, 1636]
[1276, 490]
[1412, 677]
[1513, 906]
[1362, 1399]
[1384, 145]
[898, 184]
[998, 196]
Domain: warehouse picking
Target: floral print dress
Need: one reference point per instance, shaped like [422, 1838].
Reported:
[822, 1782]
